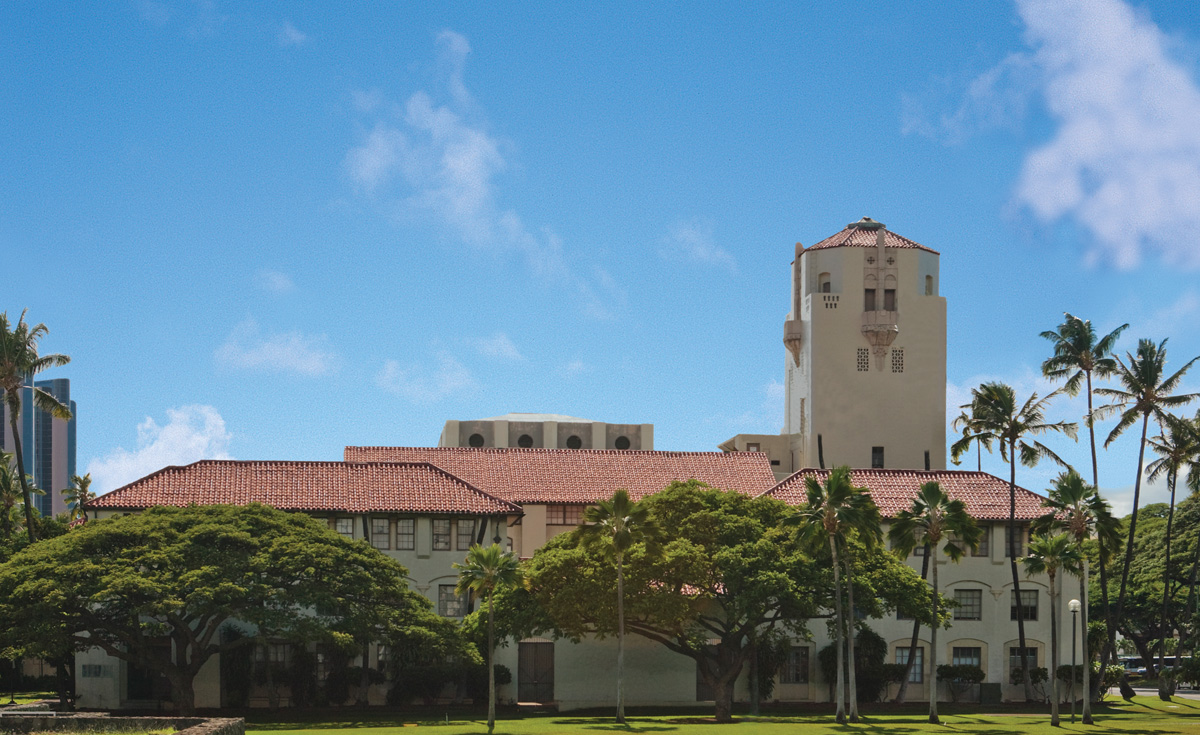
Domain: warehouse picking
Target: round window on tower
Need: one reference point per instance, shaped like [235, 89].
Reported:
[525, 441]
[622, 442]
[574, 442]
[476, 440]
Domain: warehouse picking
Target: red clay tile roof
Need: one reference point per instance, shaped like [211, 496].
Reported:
[581, 475]
[986, 495]
[855, 237]
[400, 487]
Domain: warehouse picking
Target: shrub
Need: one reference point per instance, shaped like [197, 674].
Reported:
[960, 678]
[1038, 678]
[870, 652]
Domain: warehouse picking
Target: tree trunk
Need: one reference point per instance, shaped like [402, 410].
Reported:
[933, 629]
[755, 695]
[183, 692]
[491, 665]
[912, 647]
[14, 407]
[723, 699]
[620, 641]
[1110, 626]
[1013, 543]
[364, 678]
[1087, 653]
[851, 666]
[1054, 653]
[1110, 634]
[1126, 690]
[272, 688]
[1164, 688]
[840, 685]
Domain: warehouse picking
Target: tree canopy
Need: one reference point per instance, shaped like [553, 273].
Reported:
[131, 584]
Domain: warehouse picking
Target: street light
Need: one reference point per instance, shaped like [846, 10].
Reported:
[1073, 606]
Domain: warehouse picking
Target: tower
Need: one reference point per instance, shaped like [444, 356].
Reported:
[866, 353]
[47, 443]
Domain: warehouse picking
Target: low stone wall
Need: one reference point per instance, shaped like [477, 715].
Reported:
[103, 723]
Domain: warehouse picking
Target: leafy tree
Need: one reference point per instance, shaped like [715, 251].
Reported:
[1050, 555]
[835, 510]
[1177, 447]
[996, 416]
[1079, 355]
[179, 575]
[614, 526]
[933, 519]
[1145, 393]
[1077, 508]
[486, 569]
[10, 495]
[78, 495]
[19, 362]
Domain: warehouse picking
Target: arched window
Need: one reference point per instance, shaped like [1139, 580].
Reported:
[824, 284]
[928, 285]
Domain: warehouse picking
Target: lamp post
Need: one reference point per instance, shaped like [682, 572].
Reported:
[1073, 606]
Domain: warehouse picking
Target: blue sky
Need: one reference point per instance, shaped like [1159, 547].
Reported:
[270, 230]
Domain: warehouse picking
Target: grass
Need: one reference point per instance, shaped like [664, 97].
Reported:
[26, 697]
[1142, 716]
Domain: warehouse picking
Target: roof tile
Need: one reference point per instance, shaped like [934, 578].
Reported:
[855, 237]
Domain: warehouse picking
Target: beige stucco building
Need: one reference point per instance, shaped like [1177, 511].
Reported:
[547, 431]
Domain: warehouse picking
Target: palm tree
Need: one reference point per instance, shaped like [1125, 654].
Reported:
[995, 416]
[1049, 555]
[916, 633]
[1078, 356]
[486, 570]
[962, 422]
[1077, 508]
[10, 495]
[1145, 392]
[616, 525]
[833, 512]
[19, 362]
[932, 519]
[1177, 447]
[78, 495]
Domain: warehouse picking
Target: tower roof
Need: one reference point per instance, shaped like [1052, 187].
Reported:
[861, 234]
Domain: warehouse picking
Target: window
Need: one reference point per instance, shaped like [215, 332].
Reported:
[824, 285]
[476, 440]
[864, 359]
[984, 548]
[795, 668]
[574, 442]
[1020, 534]
[466, 534]
[450, 605]
[381, 533]
[279, 655]
[917, 675]
[525, 441]
[441, 534]
[93, 671]
[970, 604]
[898, 360]
[967, 656]
[564, 515]
[889, 299]
[344, 526]
[753, 448]
[876, 457]
[928, 285]
[1014, 657]
[381, 656]
[622, 443]
[869, 299]
[1029, 604]
[406, 534]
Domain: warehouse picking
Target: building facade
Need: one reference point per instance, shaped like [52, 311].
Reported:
[47, 444]
[547, 431]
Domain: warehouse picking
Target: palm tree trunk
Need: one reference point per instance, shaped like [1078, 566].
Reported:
[1054, 652]
[933, 629]
[1110, 639]
[1164, 627]
[13, 409]
[1087, 654]
[912, 647]
[840, 685]
[620, 641]
[1137, 492]
[1012, 544]
[491, 665]
[852, 686]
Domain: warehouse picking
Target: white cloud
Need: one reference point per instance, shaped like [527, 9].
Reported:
[439, 162]
[289, 35]
[575, 367]
[426, 384]
[283, 352]
[190, 434]
[499, 346]
[693, 241]
[275, 282]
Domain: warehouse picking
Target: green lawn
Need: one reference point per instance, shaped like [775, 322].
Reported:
[26, 697]
[1143, 716]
